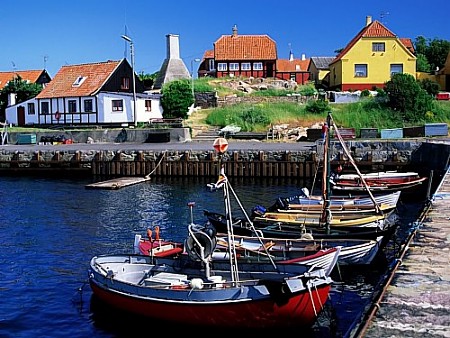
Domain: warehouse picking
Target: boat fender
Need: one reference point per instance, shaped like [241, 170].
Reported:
[307, 236]
[196, 283]
[258, 210]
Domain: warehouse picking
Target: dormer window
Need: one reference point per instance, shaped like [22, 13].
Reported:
[80, 79]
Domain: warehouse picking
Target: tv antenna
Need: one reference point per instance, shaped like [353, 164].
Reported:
[45, 61]
[14, 66]
[382, 16]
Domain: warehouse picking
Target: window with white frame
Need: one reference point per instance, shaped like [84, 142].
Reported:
[222, 66]
[88, 107]
[211, 64]
[234, 66]
[361, 70]
[378, 47]
[31, 110]
[257, 66]
[45, 108]
[246, 66]
[396, 68]
[117, 105]
[72, 106]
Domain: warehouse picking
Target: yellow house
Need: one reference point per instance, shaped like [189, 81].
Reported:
[371, 58]
[319, 67]
[443, 75]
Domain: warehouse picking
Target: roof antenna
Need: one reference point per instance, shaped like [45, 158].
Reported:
[125, 52]
[382, 16]
[45, 61]
[14, 66]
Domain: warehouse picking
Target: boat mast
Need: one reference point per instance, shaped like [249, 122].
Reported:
[326, 187]
[221, 145]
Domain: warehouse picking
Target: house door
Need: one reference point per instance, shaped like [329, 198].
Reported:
[269, 70]
[21, 116]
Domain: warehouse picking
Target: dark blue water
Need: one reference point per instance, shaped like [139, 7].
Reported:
[50, 229]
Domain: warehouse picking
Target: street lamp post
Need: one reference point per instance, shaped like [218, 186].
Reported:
[127, 38]
[192, 77]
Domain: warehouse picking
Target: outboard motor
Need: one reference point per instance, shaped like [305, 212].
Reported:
[201, 237]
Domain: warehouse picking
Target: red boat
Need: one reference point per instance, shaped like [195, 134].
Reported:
[377, 182]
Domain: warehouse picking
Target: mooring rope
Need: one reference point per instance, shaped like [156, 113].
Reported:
[160, 160]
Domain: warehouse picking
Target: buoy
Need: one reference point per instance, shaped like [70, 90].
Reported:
[149, 234]
[196, 283]
[156, 233]
[220, 145]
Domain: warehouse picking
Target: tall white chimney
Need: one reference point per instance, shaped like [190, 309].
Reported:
[368, 20]
[11, 99]
[173, 46]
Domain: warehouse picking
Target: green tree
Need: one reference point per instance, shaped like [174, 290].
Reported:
[422, 64]
[176, 98]
[148, 79]
[407, 97]
[23, 90]
[435, 51]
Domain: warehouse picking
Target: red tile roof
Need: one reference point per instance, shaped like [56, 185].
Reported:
[407, 42]
[285, 65]
[373, 30]
[245, 47]
[209, 54]
[96, 75]
[30, 75]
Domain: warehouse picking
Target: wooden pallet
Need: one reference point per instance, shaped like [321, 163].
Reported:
[117, 183]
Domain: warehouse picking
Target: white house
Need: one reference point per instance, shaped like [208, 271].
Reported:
[89, 94]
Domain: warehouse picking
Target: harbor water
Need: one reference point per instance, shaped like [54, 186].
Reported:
[51, 228]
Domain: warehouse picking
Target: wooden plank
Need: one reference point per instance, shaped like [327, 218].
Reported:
[117, 183]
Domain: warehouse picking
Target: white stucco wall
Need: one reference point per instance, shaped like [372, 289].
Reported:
[104, 104]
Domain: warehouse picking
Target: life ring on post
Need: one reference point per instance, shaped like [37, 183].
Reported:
[57, 115]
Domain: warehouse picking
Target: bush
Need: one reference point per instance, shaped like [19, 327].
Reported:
[317, 107]
[176, 99]
[430, 87]
[407, 97]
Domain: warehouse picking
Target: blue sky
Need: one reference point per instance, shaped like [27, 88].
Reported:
[52, 33]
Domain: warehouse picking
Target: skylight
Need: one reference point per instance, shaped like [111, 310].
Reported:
[80, 79]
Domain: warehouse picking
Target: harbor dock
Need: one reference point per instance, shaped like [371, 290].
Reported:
[415, 301]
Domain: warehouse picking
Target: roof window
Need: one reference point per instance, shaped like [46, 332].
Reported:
[80, 79]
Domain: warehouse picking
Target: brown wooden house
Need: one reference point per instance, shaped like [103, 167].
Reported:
[293, 69]
[240, 56]
[33, 76]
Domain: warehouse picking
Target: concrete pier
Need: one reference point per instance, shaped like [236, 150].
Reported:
[416, 299]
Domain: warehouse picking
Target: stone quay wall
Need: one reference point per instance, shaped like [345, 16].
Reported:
[369, 155]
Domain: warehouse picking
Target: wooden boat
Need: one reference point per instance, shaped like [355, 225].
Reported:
[167, 290]
[390, 177]
[156, 246]
[312, 255]
[352, 251]
[305, 201]
[378, 182]
[195, 289]
[245, 227]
